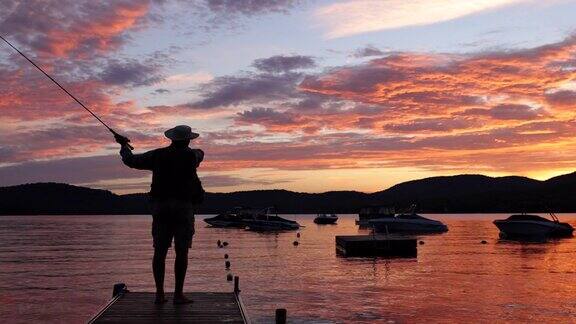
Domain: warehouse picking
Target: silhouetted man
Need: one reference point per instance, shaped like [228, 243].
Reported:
[174, 191]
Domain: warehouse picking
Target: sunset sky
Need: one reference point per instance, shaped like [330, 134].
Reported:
[303, 95]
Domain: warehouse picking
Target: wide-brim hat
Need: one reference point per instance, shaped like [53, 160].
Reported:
[181, 133]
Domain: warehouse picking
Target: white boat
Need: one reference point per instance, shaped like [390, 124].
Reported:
[407, 223]
[326, 219]
[526, 226]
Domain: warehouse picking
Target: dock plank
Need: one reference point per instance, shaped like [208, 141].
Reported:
[139, 308]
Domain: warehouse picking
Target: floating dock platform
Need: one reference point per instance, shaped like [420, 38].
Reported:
[139, 308]
[376, 245]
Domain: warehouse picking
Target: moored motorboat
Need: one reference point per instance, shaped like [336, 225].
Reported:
[235, 218]
[326, 219]
[267, 221]
[533, 226]
[408, 223]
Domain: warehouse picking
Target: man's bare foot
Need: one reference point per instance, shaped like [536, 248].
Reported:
[181, 300]
[160, 299]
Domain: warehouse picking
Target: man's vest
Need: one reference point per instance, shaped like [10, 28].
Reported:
[174, 175]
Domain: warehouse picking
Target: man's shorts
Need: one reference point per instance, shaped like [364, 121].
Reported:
[172, 219]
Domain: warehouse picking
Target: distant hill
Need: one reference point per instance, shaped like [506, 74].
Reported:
[59, 198]
[451, 194]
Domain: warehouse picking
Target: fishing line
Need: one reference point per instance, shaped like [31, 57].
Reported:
[64, 89]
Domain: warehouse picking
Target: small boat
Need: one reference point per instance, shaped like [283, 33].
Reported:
[267, 221]
[408, 223]
[369, 213]
[326, 219]
[533, 226]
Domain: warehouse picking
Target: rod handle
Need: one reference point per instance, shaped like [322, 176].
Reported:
[126, 143]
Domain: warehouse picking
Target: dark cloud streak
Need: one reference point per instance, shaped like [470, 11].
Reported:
[131, 73]
[507, 112]
[367, 52]
[281, 63]
[250, 7]
[233, 90]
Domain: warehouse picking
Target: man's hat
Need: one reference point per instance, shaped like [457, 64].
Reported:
[181, 133]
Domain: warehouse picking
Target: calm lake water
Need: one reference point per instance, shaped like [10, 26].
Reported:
[62, 268]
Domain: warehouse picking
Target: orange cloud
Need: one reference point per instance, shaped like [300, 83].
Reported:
[98, 33]
[485, 111]
[72, 28]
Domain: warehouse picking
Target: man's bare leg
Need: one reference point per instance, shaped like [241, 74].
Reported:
[180, 267]
[159, 269]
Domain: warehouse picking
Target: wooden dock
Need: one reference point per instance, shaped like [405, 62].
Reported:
[376, 245]
[138, 307]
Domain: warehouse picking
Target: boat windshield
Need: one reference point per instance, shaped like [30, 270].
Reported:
[382, 210]
[528, 217]
[410, 216]
[273, 218]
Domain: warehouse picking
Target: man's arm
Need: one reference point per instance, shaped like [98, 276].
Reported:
[144, 161]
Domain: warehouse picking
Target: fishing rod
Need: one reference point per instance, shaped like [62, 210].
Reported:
[68, 93]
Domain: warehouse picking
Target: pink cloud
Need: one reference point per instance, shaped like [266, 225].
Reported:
[77, 28]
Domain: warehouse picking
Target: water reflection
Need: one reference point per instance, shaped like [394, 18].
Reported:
[61, 269]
